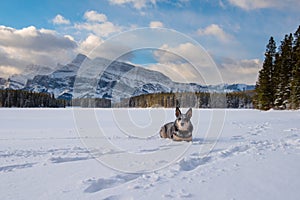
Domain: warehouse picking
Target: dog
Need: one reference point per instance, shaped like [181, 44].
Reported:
[179, 130]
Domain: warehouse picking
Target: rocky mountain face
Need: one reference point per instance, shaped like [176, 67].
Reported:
[3, 82]
[18, 81]
[101, 78]
[60, 82]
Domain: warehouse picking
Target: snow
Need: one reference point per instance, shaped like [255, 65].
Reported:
[18, 81]
[84, 154]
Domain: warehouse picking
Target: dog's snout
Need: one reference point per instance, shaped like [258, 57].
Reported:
[182, 124]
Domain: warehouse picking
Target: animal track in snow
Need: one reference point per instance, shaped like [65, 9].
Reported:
[258, 129]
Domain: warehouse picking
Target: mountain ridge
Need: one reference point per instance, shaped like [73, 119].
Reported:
[100, 78]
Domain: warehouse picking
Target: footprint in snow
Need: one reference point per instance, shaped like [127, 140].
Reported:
[188, 164]
[10, 168]
[101, 184]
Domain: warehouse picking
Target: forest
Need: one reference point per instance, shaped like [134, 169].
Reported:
[27, 99]
[189, 99]
[278, 84]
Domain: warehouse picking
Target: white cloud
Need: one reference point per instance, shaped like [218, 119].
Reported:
[47, 31]
[6, 71]
[240, 71]
[260, 4]
[59, 19]
[94, 16]
[34, 39]
[89, 44]
[216, 31]
[185, 52]
[178, 72]
[112, 50]
[100, 29]
[156, 24]
[29, 31]
[97, 24]
[231, 71]
[189, 63]
[22, 47]
[186, 62]
[138, 4]
[69, 37]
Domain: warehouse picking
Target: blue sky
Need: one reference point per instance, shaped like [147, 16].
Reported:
[233, 32]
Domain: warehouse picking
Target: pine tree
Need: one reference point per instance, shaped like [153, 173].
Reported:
[276, 80]
[295, 82]
[264, 86]
[284, 73]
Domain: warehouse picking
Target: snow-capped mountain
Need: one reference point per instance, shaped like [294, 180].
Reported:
[60, 82]
[2, 83]
[18, 81]
[101, 78]
[230, 87]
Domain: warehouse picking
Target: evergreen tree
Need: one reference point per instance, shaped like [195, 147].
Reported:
[277, 81]
[264, 86]
[284, 73]
[295, 82]
[21, 98]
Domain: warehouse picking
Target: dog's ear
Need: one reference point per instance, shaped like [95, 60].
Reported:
[177, 112]
[189, 113]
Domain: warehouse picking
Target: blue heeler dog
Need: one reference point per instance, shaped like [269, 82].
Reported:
[181, 129]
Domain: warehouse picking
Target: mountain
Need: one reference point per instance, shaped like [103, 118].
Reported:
[231, 87]
[101, 78]
[2, 83]
[18, 81]
[60, 82]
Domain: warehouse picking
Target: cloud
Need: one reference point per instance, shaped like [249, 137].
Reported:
[6, 71]
[22, 47]
[185, 52]
[138, 4]
[58, 19]
[185, 62]
[29, 45]
[89, 44]
[102, 29]
[156, 24]
[94, 16]
[178, 72]
[216, 31]
[240, 71]
[259, 4]
[112, 50]
[34, 39]
[97, 24]
[221, 4]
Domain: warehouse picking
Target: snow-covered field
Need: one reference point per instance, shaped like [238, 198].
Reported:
[117, 154]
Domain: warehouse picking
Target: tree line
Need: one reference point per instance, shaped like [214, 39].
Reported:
[26, 99]
[278, 84]
[189, 99]
[90, 103]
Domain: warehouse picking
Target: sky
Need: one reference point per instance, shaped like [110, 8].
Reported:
[234, 33]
